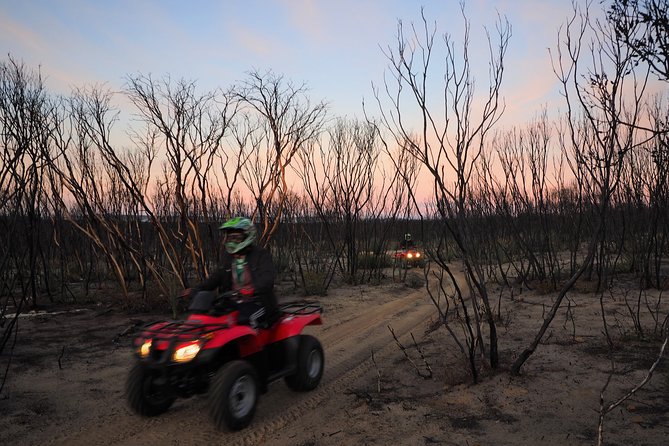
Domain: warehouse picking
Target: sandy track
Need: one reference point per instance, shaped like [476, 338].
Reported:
[348, 337]
[67, 378]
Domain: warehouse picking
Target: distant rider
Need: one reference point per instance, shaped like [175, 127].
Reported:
[407, 243]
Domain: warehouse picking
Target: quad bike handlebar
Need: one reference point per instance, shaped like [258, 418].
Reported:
[205, 301]
[192, 292]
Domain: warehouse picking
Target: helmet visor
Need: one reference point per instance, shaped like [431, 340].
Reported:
[234, 236]
[235, 241]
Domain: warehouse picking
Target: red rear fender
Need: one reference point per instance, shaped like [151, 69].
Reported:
[292, 325]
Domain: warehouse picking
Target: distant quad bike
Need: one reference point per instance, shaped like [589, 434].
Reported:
[210, 352]
[408, 258]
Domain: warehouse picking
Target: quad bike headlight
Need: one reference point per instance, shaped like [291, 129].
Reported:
[417, 254]
[409, 255]
[186, 352]
[145, 348]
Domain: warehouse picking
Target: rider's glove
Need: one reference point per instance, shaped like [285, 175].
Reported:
[187, 293]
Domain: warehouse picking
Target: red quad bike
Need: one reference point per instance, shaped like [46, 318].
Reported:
[210, 352]
[408, 258]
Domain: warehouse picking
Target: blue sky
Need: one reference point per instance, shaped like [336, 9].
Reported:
[332, 46]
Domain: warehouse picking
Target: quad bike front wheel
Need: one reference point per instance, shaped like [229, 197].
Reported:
[234, 395]
[147, 391]
[310, 362]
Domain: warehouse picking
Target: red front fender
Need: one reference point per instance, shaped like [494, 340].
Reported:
[246, 337]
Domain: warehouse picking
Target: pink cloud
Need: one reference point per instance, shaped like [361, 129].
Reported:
[263, 47]
[34, 50]
[20, 36]
[307, 17]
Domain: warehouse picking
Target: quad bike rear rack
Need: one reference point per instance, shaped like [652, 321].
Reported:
[301, 308]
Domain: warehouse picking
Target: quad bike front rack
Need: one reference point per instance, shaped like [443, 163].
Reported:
[170, 329]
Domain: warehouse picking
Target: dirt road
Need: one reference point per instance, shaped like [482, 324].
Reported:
[67, 376]
[74, 381]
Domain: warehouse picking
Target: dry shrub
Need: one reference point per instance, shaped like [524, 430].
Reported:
[544, 287]
[370, 260]
[314, 284]
[414, 280]
[586, 286]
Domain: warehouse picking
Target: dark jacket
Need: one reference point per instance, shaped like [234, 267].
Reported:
[262, 275]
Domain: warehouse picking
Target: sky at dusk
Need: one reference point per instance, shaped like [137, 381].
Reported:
[334, 47]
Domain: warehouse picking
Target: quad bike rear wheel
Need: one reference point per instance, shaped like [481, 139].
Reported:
[234, 395]
[310, 362]
[147, 391]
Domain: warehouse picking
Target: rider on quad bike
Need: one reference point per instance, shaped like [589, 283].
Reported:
[230, 345]
[408, 255]
[247, 269]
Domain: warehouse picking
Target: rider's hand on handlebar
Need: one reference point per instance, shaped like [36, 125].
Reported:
[229, 295]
